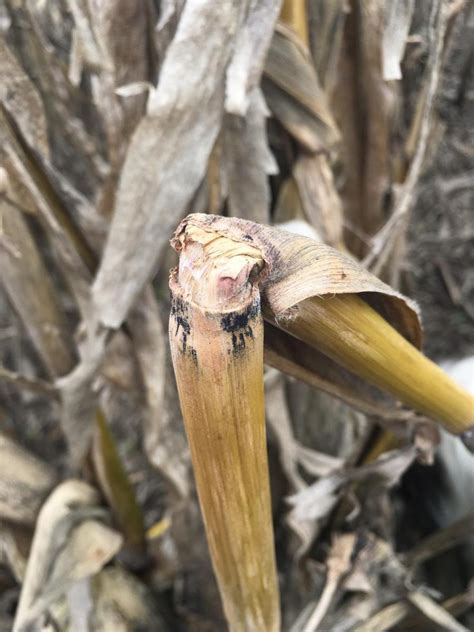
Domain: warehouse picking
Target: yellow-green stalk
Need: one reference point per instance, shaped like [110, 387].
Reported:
[347, 329]
[216, 337]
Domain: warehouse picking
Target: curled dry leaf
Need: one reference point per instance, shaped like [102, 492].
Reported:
[293, 93]
[70, 544]
[25, 481]
[312, 505]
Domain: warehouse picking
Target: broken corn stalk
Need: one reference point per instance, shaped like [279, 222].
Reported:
[309, 292]
[216, 337]
[326, 300]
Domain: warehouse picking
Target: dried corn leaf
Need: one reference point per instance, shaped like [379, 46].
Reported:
[312, 505]
[11, 554]
[93, 49]
[251, 46]
[123, 31]
[289, 208]
[319, 197]
[20, 96]
[364, 104]
[88, 606]
[455, 606]
[385, 619]
[69, 545]
[279, 422]
[31, 292]
[248, 162]
[164, 438]
[291, 453]
[377, 101]
[36, 28]
[293, 93]
[79, 398]
[25, 481]
[436, 613]
[121, 602]
[74, 255]
[398, 18]
[168, 154]
[326, 22]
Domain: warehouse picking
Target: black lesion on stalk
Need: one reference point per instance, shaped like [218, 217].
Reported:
[239, 325]
[180, 313]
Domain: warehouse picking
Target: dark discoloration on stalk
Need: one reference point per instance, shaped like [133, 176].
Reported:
[181, 316]
[239, 324]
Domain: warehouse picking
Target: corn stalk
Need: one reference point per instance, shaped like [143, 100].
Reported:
[216, 335]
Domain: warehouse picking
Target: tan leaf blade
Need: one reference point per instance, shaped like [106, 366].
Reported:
[167, 156]
[33, 295]
[293, 93]
[69, 544]
[251, 46]
[248, 161]
[25, 481]
[397, 26]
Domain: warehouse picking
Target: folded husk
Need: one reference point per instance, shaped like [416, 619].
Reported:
[297, 270]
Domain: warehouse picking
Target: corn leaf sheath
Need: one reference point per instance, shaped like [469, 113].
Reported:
[216, 336]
